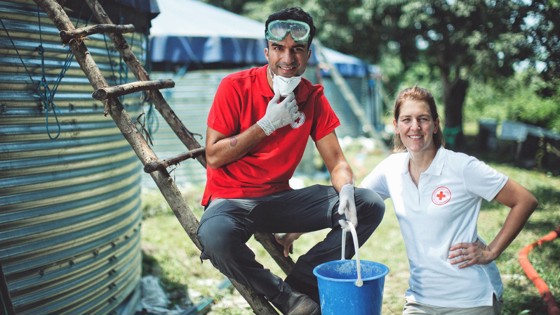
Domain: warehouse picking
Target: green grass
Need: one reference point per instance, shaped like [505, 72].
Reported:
[170, 255]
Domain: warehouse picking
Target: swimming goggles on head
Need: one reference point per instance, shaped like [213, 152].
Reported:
[278, 29]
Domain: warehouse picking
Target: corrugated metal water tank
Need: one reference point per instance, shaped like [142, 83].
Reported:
[70, 210]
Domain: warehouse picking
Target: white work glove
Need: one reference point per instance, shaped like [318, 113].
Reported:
[347, 205]
[280, 114]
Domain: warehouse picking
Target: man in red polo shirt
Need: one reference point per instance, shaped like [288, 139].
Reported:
[258, 128]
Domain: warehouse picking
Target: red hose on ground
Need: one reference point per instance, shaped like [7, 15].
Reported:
[532, 274]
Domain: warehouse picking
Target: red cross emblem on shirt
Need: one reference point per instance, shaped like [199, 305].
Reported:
[441, 195]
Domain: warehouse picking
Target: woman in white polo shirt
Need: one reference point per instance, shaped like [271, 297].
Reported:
[437, 195]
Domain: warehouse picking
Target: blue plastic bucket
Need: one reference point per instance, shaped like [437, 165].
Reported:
[339, 293]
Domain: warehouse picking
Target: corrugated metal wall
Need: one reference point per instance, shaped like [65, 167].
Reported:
[70, 210]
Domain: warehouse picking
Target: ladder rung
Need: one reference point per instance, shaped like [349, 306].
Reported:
[82, 32]
[123, 89]
[161, 165]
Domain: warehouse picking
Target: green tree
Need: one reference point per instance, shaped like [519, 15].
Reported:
[544, 32]
[458, 40]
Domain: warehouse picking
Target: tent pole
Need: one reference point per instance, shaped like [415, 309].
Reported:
[349, 96]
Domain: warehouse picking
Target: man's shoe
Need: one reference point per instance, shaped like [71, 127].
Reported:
[301, 304]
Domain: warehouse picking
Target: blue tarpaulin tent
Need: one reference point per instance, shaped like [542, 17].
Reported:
[211, 36]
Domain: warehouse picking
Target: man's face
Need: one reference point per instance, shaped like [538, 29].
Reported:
[287, 58]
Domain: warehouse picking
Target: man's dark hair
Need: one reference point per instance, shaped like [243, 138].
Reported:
[294, 13]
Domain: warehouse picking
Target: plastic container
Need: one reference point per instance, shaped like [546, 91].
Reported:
[350, 287]
[339, 294]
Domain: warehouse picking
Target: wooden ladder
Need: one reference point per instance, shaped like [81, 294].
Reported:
[156, 167]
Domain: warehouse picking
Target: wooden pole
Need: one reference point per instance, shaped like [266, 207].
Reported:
[132, 87]
[80, 33]
[153, 166]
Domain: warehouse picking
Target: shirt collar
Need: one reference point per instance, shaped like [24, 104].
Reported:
[436, 167]
[262, 79]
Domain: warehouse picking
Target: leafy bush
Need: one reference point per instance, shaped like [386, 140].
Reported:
[515, 99]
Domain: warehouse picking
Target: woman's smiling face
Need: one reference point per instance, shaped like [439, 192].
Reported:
[415, 125]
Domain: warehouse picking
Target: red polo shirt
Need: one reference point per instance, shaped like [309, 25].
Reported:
[240, 101]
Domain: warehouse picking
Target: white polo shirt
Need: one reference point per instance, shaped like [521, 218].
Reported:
[440, 212]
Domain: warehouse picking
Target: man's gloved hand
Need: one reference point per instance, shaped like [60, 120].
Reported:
[280, 114]
[347, 204]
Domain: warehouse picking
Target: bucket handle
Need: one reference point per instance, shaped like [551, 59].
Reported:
[347, 225]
